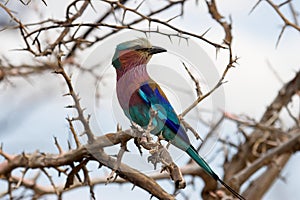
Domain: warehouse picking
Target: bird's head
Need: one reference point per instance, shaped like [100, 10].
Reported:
[134, 53]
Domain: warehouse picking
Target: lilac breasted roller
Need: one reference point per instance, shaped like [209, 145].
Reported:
[138, 94]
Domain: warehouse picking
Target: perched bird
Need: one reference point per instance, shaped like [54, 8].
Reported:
[138, 94]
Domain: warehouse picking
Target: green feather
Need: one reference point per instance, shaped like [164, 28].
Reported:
[200, 161]
[116, 61]
[191, 151]
[139, 114]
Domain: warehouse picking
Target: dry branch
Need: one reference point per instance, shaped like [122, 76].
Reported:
[239, 162]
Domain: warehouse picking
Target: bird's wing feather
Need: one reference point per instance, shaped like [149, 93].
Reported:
[153, 95]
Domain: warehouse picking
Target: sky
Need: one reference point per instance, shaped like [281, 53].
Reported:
[35, 103]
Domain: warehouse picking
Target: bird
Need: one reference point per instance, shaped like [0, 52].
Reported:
[138, 94]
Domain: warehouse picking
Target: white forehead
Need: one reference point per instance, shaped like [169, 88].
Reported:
[142, 42]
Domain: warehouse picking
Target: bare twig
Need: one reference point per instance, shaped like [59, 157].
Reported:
[76, 99]
[198, 88]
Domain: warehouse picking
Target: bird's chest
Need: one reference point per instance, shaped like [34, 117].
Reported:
[128, 86]
[128, 96]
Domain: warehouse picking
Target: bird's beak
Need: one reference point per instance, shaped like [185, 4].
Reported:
[155, 50]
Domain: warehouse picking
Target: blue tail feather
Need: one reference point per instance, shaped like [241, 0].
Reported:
[191, 151]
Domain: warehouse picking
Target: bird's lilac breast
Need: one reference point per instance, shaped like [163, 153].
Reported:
[128, 84]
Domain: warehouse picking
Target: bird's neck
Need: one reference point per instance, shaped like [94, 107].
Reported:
[134, 74]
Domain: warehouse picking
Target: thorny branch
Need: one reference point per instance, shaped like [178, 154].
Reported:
[287, 22]
[76, 99]
[212, 7]
[264, 140]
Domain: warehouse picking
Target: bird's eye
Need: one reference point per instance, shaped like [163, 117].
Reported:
[137, 47]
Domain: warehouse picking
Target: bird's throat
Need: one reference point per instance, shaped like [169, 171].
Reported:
[136, 74]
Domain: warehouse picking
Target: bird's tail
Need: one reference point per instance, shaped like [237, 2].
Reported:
[191, 151]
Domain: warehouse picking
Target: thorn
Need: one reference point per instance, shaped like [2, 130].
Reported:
[100, 165]
[203, 34]
[44, 2]
[123, 17]
[67, 94]
[82, 134]
[70, 106]
[119, 127]
[253, 8]
[69, 145]
[173, 18]
[139, 5]
[133, 187]
[116, 176]
[57, 145]
[169, 36]
[280, 35]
